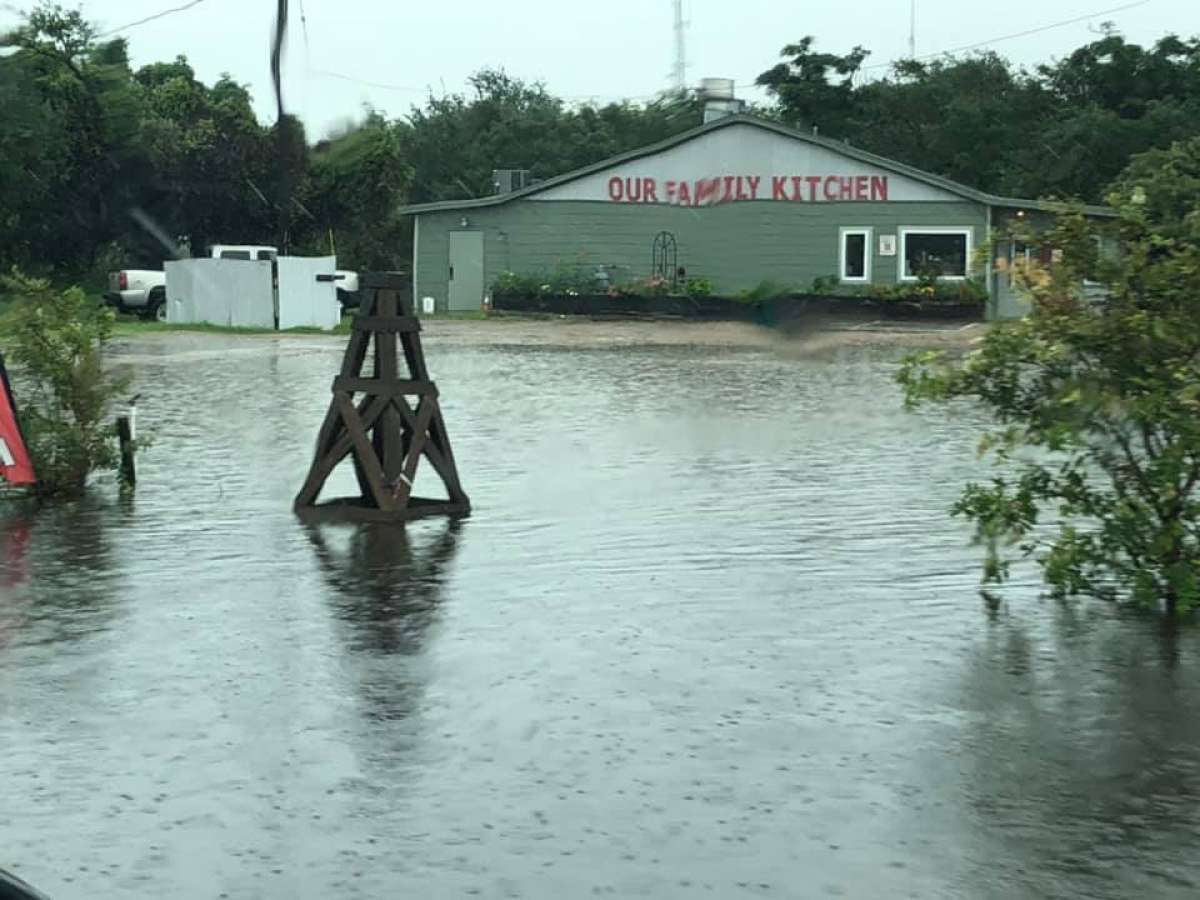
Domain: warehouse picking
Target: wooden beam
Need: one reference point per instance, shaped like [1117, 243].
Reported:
[394, 281]
[388, 325]
[378, 388]
[365, 454]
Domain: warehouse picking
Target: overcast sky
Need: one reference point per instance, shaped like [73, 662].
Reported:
[391, 54]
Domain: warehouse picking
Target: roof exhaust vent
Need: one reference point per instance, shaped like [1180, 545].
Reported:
[719, 101]
[506, 181]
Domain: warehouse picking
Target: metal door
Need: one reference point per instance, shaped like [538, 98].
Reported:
[466, 270]
[1010, 302]
[308, 292]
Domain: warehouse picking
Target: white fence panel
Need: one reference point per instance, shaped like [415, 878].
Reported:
[305, 302]
[231, 292]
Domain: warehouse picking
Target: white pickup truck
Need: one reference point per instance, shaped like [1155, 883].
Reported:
[144, 291]
[141, 291]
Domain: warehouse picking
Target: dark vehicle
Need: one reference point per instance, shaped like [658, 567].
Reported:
[13, 888]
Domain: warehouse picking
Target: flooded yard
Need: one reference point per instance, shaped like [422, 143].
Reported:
[709, 632]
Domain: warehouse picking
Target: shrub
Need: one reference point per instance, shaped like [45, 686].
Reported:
[651, 286]
[57, 339]
[931, 290]
[825, 284]
[699, 287]
[511, 284]
[764, 290]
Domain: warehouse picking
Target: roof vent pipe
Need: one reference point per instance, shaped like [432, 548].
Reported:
[717, 96]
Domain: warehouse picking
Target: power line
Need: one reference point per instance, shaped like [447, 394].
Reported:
[1019, 34]
[158, 15]
[374, 84]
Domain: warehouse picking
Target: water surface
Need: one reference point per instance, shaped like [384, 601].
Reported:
[708, 633]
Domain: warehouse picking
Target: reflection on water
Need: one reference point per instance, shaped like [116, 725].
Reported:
[386, 588]
[709, 632]
[1079, 759]
[68, 547]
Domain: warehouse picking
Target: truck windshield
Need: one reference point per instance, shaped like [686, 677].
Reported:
[235, 254]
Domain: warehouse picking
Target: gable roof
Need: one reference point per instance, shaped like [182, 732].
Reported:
[839, 147]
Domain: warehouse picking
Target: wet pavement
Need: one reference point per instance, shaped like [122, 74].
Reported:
[708, 633]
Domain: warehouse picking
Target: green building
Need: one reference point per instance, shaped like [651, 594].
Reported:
[741, 200]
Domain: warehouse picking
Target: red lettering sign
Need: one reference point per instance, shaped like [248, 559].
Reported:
[708, 191]
[734, 188]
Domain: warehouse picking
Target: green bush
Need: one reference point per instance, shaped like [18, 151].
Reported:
[56, 339]
[568, 280]
[931, 290]
[699, 287]
[765, 290]
[652, 286]
[825, 284]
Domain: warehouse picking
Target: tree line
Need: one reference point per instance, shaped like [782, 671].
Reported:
[103, 165]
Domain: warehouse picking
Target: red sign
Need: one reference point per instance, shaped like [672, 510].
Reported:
[15, 467]
[734, 188]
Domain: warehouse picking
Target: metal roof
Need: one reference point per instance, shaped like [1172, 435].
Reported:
[834, 146]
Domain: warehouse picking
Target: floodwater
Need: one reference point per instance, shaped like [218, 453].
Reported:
[709, 632]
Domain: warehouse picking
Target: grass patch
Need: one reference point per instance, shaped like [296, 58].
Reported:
[132, 326]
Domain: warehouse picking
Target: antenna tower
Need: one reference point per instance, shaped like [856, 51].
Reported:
[679, 74]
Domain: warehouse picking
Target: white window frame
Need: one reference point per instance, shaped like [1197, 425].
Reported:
[868, 234]
[902, 259]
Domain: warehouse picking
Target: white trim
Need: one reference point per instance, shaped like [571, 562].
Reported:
[902, 258]
[416, 284]
[868, 234]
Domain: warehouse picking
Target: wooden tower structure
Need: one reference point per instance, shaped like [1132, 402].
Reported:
[385, 421]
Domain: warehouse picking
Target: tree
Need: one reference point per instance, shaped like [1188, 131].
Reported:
[1097, 404]
[58, 338]
[815, 88]
[84, 88]
[357, 183]
[993, 109]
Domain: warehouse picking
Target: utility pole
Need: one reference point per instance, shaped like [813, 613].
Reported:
[679, 76]
[912, 29]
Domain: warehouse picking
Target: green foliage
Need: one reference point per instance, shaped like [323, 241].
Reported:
[649, 286]
[1097, 405]
[929, 290]
[824, 284]
[765, 290]
[455, 142]
[1064, 130]
[563, 280]
[56, 339]
[699, 287]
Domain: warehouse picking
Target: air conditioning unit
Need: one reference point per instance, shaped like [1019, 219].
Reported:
[505, 181]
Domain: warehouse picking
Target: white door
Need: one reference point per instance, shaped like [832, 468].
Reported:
[308, 292]
[466, 270]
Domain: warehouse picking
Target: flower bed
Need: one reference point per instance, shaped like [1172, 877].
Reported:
[772, 311]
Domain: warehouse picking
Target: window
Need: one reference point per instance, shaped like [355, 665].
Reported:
[266, 254]
[855, 255]
[941, 252]
[235, 254]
